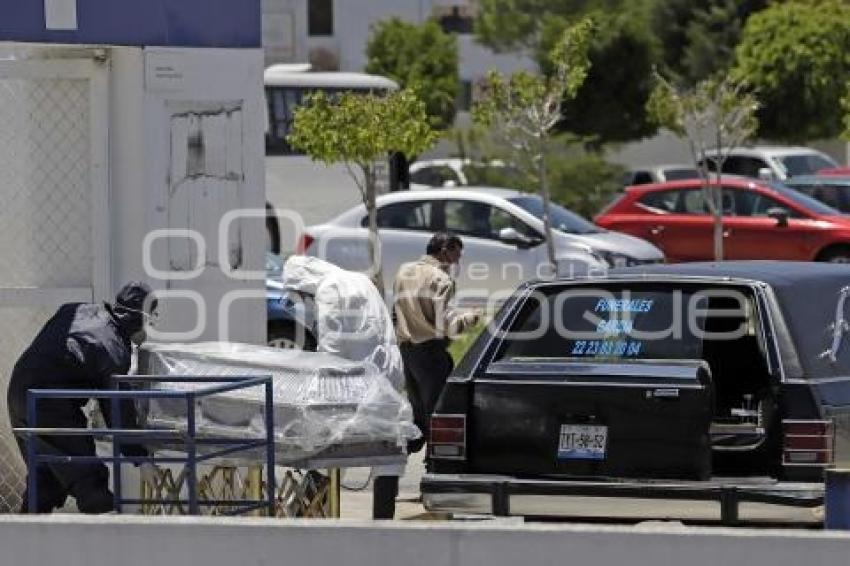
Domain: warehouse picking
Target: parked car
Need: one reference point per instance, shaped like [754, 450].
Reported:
[458, 172]
[290, 317]
[832, 190]
[761, 220]
[661, 391]
[502, 233]
[770, 162]
[659, 174]
[839, 171]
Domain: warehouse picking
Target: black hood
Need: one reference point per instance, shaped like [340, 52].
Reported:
[129, 303]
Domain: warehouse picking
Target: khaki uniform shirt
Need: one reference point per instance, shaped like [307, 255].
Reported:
[422, 292]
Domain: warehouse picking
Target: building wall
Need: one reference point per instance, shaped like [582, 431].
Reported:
[285, 36]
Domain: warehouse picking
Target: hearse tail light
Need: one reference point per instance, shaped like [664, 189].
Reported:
[448, 437]
[807, 443]
[303, 243]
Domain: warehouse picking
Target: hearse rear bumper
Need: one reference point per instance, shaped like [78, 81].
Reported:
[729, 500]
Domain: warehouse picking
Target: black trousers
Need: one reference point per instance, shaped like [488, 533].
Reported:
[426, 368]
[87, 483]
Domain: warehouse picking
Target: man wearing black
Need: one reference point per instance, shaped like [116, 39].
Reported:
[80, 347]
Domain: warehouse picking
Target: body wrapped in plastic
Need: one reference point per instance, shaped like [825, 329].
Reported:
[320, 400]
[352, 320]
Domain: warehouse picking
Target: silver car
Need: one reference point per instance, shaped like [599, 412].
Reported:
[502, 232]
[770, 163]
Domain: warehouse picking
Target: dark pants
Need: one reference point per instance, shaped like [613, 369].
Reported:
[426, 368]
[87, 483]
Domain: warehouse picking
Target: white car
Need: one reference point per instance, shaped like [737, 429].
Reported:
[457, 172]
[502, 237]
[771, 163]
[659, 174]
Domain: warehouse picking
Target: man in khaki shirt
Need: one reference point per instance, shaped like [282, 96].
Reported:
[425, 324]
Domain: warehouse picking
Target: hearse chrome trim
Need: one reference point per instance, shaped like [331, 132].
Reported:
[729, 500]
[766, 293]
[816, 380]
[621, 384]
[772, 354]
[839, 325]
[682, 369]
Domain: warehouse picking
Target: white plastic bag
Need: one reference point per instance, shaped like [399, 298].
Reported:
[352, 320]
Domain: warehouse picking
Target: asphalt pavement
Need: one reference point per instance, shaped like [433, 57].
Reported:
[316, 192]
[356, 499]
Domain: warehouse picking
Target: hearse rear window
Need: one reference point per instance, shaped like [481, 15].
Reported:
[643, 321]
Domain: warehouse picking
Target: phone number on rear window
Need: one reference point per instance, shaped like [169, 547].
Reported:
[621, 348]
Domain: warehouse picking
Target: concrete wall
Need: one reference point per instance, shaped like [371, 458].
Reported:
[131, 541]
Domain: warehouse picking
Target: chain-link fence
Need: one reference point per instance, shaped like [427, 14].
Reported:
[45, 224]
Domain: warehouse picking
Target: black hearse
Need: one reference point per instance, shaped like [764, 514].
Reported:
[692, 391]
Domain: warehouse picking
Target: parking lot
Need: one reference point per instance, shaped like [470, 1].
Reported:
[292, 183]
[356, 503]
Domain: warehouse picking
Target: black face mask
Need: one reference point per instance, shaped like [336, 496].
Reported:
[138, 337]
[137, 330]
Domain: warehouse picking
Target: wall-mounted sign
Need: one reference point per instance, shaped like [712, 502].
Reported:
[164, 71]
[60, 14]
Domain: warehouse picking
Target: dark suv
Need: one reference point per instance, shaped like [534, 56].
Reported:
[696, 391]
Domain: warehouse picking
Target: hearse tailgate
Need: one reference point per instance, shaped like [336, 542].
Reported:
[567, 418]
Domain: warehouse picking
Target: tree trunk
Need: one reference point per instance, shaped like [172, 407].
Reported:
[375, 269]
[547, 218]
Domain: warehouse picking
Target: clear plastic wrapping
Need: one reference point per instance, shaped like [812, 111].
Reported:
[320, 400]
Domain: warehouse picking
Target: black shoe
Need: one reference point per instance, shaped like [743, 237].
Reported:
[94, 499]
[414, 446]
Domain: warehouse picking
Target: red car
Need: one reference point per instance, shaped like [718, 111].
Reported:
[761, 220]
[835, 171]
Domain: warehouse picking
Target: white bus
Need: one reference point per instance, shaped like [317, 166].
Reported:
[293, 181]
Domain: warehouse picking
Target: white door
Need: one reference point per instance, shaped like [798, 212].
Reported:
[54, 232]
[490, 269]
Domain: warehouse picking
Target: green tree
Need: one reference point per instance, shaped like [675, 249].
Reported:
[718, 111]
[845, 107]
[585, 182]
[524, 108]
[611, 104]
[698, 37]
[360, 130]
[510, 25]
[796, 55]
[421, 57]
[610, 107]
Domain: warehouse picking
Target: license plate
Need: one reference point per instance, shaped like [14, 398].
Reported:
[582, 442]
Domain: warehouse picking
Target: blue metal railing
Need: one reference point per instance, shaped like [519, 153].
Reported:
[189, 438]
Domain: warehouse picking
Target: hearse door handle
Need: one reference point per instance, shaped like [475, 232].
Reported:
[657, 230]
[664, 393]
